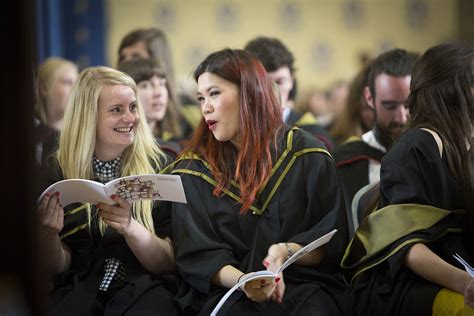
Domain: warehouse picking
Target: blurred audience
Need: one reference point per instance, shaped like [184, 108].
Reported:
[55, 78]
[313, 100]
[153, 43]
[157, 101]
[337, 99]
[279, 63]
[357, 117]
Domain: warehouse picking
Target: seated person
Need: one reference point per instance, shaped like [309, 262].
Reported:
[106, 259]
[278, 62]
[56, 76]
[388, 86]
[400, 261]
[152, 43]
[257, 192]
[157, 102]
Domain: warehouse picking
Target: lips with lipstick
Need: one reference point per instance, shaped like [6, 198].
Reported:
[211, 124]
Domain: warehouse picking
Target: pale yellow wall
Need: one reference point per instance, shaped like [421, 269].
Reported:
[193, 26]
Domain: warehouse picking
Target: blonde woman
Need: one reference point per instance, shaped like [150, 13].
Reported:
[106, 258]
[56, 76]
[55, 79]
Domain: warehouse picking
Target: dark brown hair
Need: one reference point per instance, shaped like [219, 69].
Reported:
[141, 69]
[441, 100]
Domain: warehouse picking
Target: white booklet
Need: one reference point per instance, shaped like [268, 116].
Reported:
[163, 187]
[266, 274]
[466, 265]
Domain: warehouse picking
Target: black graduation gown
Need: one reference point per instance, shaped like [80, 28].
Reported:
[301, 202]
[76, 291]
[352, 162]
[170, 148]
[412, 172]
[45, 140]
[309, 123]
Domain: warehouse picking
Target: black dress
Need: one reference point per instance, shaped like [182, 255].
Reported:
[76, 291]
[420, 196]
[301, 202]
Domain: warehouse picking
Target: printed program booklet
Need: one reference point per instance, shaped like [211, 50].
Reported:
[266, 274]
[134, 188]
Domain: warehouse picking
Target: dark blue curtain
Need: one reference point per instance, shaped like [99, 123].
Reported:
[72, 29]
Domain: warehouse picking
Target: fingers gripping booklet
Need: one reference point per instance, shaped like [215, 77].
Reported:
[161, 187]
[266, 274]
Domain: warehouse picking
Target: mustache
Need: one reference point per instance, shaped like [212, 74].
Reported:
[393, 126]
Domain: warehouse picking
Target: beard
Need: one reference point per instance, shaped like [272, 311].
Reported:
[387, 135]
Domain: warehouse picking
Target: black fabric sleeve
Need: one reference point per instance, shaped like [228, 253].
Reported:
[161, 213]
[325, 203]
[200, 252]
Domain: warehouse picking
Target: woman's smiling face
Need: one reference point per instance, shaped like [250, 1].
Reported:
[117, 121]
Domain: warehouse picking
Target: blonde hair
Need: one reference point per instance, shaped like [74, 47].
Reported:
[46, 74]
[78, 138]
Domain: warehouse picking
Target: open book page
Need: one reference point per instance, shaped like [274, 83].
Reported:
[131, 188]
[78, 190]
[163, 187]
[269, 275]
[264, 274]
[466, 265]
[307, 249]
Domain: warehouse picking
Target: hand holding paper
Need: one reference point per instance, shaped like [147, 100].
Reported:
[260, 289]
[271, 275]
[131, 188]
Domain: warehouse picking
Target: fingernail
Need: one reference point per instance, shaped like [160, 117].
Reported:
[262, 281]
[266, 264]
[57, 193]
[48, 194]
[113, 196]
[277, 280]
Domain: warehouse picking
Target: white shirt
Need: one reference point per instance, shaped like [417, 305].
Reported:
[286, 113]
[374, 166]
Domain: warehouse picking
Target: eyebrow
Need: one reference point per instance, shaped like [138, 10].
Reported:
[208, 89]
[392, 103]
[120, 104]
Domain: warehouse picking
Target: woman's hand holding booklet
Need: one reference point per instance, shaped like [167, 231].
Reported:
[268, 275]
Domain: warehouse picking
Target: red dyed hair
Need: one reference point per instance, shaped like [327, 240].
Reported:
[261, 124]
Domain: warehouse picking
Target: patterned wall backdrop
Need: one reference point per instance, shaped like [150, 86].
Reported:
[327, 36]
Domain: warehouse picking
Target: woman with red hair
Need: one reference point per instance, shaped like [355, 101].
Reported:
[257, 192]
